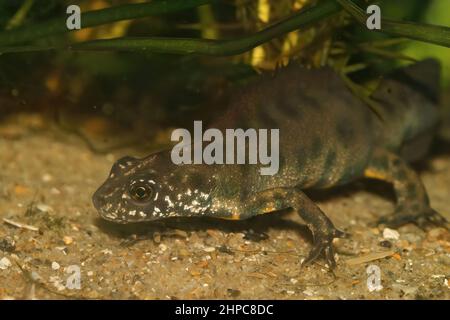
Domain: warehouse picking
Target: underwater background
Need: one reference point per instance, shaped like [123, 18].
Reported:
[74, 101]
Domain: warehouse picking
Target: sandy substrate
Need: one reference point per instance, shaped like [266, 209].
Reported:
[47, 178]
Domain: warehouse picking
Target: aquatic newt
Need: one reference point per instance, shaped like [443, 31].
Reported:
[328, 137]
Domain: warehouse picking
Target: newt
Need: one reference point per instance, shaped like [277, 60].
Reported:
[328, 137]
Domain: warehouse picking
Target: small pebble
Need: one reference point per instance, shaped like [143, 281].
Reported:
[385, 244]
[35, 276]
[390, 234]
[55, 265]
[57, 282]
[55, 191]
[47, 177]
[67, 240]
[233, 293]
[7, 244]
[43, 207]
[107, 251]
[412, 238]
[308, 292]
[5, 263]
[290, 292]
[209, 249]
[21, 190]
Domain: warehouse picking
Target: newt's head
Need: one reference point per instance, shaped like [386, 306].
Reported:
[130, 193]
[409, 98]
[148, 189]
[417, 83]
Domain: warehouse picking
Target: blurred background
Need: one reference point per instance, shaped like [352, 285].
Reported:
[113, 98]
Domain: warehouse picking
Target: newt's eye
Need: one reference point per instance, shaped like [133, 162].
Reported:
[141, 192]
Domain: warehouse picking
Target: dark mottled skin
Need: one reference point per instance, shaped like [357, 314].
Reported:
[328, 137]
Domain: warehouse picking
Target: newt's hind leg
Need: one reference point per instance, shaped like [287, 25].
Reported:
[320, 225]
[412, 200]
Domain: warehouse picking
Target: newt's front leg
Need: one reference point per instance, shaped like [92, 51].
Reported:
[320, 225]
[412, 200]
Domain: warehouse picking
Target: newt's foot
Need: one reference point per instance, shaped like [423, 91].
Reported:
[323, 243]
[421, 218]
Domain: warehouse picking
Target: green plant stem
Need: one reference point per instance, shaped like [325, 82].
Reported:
[20, 15]
[215, 47]
[423, 32]
[97, 17]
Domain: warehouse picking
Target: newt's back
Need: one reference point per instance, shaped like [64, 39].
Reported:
[326, 132]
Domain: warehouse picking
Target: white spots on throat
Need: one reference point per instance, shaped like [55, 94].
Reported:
[204, 195]
[169, 202]
[111, 215]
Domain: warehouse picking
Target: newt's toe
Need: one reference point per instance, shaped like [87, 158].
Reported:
[323, 244]
[422, 218]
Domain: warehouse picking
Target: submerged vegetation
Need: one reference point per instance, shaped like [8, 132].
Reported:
[200, 47]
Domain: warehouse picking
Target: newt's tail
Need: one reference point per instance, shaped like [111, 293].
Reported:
[409, 99]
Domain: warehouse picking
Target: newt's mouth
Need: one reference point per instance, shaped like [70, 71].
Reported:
[112, 218]
[109, 212]
[105, 208]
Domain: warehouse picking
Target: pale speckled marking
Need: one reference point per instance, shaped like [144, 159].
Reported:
[169, 202]
[111, 215]
[204, 195]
